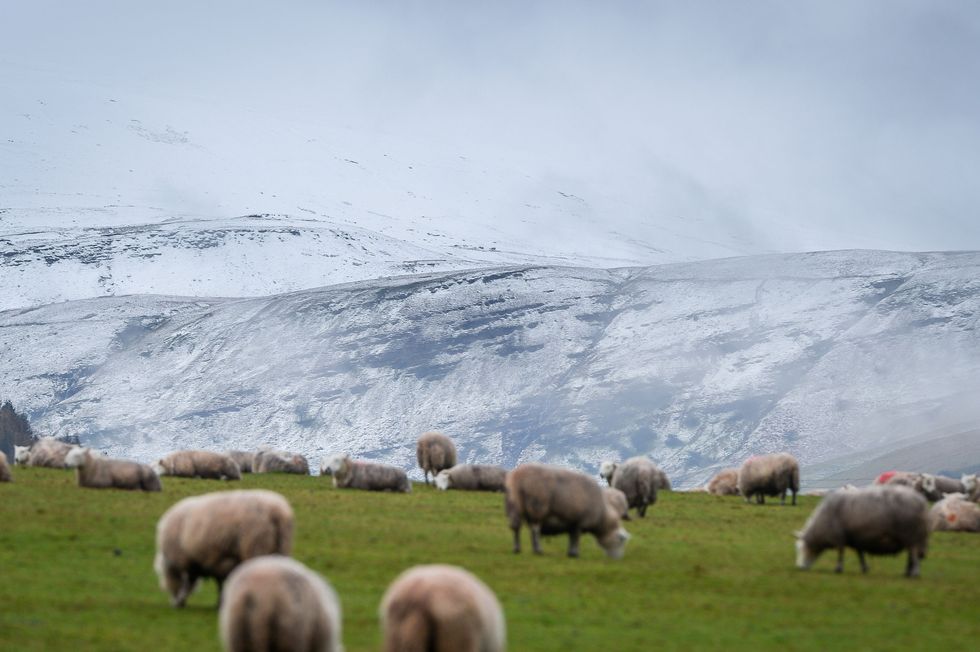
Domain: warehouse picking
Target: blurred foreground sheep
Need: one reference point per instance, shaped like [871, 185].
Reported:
[276, 603]
[441, 608]
[210, 534]
[881, 520]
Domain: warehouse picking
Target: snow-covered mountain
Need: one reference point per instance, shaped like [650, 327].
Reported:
[697, 364]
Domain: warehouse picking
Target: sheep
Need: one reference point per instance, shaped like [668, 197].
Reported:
[208, 535]
[617, 500]
[934, 487]
[769, 475]
[435, 452]
[881, 520]
[638, 478]
[971, 486]
[725, 483]
[97, 472]
[358, 474]
[608, 468]
[564, 501]
[273, 461]
[47, 452]
[955, 512]
[443, 609]
[4, 468]
[198, 464]
[472, 477]
[912, 480]
[276, 603]
[244, 459]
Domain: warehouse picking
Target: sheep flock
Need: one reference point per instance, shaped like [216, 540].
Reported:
[268, 600]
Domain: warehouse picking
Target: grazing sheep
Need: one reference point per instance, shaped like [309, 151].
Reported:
[608, 468]
[561, 501]
[971, 486]
[97, 472]
[769, 475]
[725, 483]
[210, 534]
[881, 520]
[435, 452]
[441, 609]
[276, 603]
[272, 461]
[638, 478]
[617, 500]
[934, 487]
[472, 477]
[244, 459]
[956, 513]
[47, 452]
[4, 468]
[199, 464]
[358, 474]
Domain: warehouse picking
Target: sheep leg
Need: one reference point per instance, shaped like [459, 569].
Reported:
[912, 567]
[839, 568]
[760, 498]
[573, 538]
[517, 538]
[642, 510]
[794, 496]
[864, 563]
[186, 586]
[782, 498]
[536, 537]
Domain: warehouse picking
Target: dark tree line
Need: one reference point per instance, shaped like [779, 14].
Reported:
[14, 430]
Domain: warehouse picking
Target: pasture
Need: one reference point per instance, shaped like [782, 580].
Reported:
[700, 572]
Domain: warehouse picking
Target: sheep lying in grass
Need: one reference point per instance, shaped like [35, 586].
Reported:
[956, 513]
[639, 479]
[358, 474]
[198, 464]
[435, 452]
[881, 520]
[971, 486]
[725, 483]
[4, 468]
[97, 472]
[276, 603]
[472, 477]
[273, 461]
[210, 534]
[47, 452]
[769, 475]
[443, 609]
[934, 487]
[244, 459]
[552, 500]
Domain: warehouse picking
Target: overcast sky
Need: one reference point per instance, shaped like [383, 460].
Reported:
[849, 115]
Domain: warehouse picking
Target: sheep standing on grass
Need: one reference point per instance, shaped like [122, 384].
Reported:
[4, 468]
[769, 475]
[244, 459]
[273, 461]
[472, 477]
[97, 472]
[435, 452]
[638, 478]
[443, 609]
[358, 474]
[552, 500]
[882, 520]
[47, 452]
[955, 513]
[198, 464]
[725, 483]
[276, 603]
[210, 534]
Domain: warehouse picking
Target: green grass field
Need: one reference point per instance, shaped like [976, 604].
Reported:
[701, 572]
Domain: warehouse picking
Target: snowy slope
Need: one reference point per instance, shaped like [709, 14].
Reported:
[697, 364]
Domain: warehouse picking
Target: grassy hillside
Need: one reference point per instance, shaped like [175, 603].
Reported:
[701, 572]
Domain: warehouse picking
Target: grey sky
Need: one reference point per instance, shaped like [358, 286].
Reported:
[834, 116]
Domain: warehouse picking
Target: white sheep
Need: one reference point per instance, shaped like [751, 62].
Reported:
[358, 474]
[97, 472]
